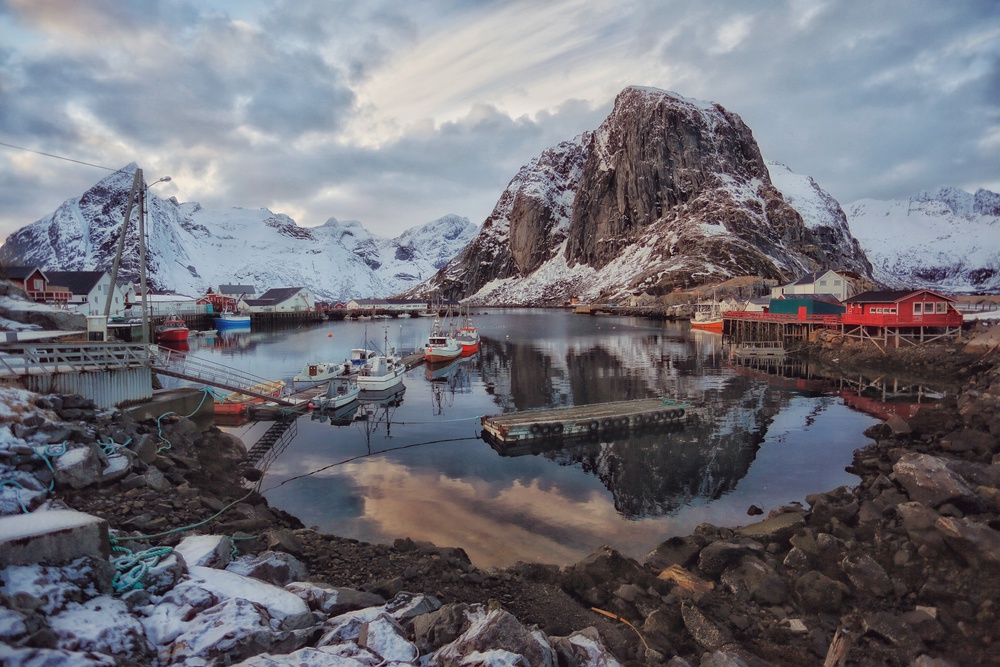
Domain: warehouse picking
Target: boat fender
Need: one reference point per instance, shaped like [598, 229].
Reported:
[535, 429]
[680, 413]
[546, 429]
[623, 422]
[640, 420]
[607, 423]
[557, 429]
[658, 416]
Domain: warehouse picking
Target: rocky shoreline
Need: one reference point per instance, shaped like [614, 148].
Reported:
[904, 569]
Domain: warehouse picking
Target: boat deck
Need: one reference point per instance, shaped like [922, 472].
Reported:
[581, 420]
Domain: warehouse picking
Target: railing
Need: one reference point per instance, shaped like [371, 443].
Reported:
[781, 317]
[18, 359]
[189, 367]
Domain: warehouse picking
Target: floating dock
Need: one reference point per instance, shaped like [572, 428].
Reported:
[584, 420]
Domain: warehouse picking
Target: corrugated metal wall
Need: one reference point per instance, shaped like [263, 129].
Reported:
[108, 388]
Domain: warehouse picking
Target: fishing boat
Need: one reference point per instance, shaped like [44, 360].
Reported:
[708, 319]
[227, 319]
[343, 389]
[172, 330]
[468, 337]
[360, 357]
[381, 372]
[441, 345]
[321, 371]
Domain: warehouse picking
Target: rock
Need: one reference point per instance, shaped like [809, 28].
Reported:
[703, 630]
[333, 601]
[897, 425]
[818, 593]
[386, 638]
[976, 543]
[896, 631]
[274, 567]
[496, 630]
[583, 647]
[676, 551]
[206, 550]
[776, 529]
[405, 606]
[968, 440]
[78, 468]
[722, 659]
[866, 575]
[718, 556]
[283, 540]
[927, 479]
[753, 578]
[435, 629]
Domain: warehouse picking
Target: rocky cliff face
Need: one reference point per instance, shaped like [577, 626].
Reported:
[667, 192]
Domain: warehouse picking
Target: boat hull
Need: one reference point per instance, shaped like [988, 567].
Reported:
[714, 326]
[435, 355]
[237, 322]
[380, 382]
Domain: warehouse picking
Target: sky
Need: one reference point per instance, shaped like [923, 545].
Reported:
[396, 114]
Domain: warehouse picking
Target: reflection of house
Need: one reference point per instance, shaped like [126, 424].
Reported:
[912, 316]
[283, 300]
[818, 282]
[88, 291]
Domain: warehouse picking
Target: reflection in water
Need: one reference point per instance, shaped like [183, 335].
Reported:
[755, 438]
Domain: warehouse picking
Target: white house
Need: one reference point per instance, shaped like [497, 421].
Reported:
[88, 291]
[283, 300]
[818, 282]
[390, 305]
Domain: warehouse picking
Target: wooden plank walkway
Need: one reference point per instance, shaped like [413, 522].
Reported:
[581, 420]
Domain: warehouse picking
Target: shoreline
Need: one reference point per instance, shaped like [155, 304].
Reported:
[882, 567]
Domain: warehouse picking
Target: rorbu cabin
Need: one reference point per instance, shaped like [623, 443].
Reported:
[894, 316]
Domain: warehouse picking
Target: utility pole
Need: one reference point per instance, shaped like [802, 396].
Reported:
[136, 188]
[142, 258]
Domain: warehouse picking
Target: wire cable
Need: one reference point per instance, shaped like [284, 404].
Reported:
[58, 157]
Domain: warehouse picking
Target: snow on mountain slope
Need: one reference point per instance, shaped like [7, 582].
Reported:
[947, 240]
[192, 249]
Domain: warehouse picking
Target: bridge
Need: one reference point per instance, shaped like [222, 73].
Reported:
[36, 361]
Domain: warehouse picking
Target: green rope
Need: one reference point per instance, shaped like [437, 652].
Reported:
[51, 450]
[185, 528]
[17, 491]
[131, 568]
[206, 392]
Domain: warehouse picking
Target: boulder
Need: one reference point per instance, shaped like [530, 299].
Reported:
[775, 529]
[206, 550]
[754, 578]
[709, 635]
[275, 567]
[676, 551]
[496, 630]
[866, 574]
[333, 601]
[928, 479]
[819, 593]
[718, 556]
[977, 543]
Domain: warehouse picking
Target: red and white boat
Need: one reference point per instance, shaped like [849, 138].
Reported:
[468, 337]
[173, 330]
[441, 345]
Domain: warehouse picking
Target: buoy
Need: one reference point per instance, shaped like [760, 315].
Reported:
[329, 335]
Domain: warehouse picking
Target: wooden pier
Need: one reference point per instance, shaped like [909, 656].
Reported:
[583, 420]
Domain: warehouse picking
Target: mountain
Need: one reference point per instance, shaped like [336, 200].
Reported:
[947, 240]
[668, 192]
[191, 248]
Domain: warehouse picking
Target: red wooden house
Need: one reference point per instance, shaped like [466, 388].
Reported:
[894, 316]
[36, 284]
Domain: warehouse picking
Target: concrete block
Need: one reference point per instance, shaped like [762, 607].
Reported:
[53, 537]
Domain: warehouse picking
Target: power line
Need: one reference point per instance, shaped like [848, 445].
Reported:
[58, 157]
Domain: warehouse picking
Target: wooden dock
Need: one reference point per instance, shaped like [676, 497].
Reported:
[584, 420]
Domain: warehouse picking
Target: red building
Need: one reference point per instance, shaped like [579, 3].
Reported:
[36, 284]
[894, 316]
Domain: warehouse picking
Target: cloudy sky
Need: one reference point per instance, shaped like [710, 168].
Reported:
[395, 113]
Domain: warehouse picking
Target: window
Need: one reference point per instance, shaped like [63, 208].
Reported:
[38, 283]
[892, 311]
[836, 283]
[942, 306]
[918, 308]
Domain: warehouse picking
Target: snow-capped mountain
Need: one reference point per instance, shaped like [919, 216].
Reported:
[947, 240]
[191, 249]
[668, 192]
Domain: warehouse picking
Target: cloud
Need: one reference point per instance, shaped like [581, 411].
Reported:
[397, 114]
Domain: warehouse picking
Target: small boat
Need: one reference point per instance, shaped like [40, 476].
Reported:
[441, 345]
[707, 317]
[343, 389]
[381, 372]
[361, 355]
[321, 371]
[172, 330]
[227, 319]
[468, 337]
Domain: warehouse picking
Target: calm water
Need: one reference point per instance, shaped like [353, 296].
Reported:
[414, 465]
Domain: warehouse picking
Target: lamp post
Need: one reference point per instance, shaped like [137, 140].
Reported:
[138, 191]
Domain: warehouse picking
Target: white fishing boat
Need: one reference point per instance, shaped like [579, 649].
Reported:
[343, 389]
[360, 356]
[441, 344]
[381, 372]
[321, 371]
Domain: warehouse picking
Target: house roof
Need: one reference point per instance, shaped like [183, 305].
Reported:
[21, 273]
[77, 282]
[825, 298]
[809, 278]
[274, 295]
[891, 296]
[237, 289]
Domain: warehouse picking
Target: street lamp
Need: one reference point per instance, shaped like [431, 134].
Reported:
[138, 191]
